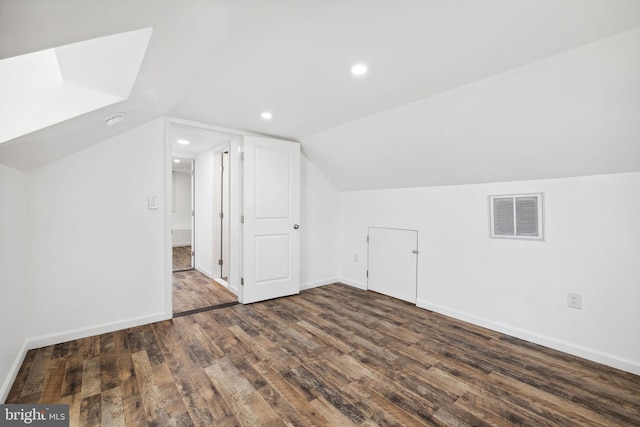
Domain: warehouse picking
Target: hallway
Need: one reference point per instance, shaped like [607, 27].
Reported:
[181, 258]
[193, 290]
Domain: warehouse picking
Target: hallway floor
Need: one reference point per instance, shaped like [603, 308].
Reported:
[193, 290]
[181, 258]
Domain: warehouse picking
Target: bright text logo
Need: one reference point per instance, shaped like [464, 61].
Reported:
[36, 415]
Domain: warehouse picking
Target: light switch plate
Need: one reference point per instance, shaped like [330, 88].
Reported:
[152, 202]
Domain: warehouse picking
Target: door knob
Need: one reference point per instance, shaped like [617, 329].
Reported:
[296, 226]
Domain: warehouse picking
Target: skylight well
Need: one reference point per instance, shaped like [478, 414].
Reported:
[43, 88]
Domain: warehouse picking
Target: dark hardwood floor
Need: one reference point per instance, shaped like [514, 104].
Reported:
[181, 258]
[193, 290]
[334, 356]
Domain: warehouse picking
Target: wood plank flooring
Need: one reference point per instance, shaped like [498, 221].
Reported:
[181, 258]
[193, 290]
[334, 356]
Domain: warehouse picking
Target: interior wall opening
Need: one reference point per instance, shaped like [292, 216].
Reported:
[200, 159]
[223, 218]
[182, 227]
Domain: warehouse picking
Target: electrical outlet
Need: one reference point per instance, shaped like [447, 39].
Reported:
[574, 300]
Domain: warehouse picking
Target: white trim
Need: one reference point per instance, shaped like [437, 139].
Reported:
[205, 272]
[563, 346]
[221, 281]
[13, 373]
[200, 125]
[317, 283]
[235, 226]
[190, 123]
[233, 289]
[56, 338]
[353, 283]
[75, 334]
[168, 238]
[235, 213]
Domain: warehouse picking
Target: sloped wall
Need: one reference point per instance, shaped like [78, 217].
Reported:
[13, 272]
[571, 114]
[591, 247]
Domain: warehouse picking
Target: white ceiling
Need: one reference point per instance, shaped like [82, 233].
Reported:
[443, 75]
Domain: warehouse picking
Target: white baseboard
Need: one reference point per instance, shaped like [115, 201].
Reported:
[560, 345]
[13, 373]
[317, 283]
[353, 283]
[222, 282]
[205, 272]
[56, 338]
[181, 245]
[233, 288]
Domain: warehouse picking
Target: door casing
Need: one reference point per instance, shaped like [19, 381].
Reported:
[236, 189]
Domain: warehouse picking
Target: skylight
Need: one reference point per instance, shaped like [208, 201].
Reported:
[43, 88]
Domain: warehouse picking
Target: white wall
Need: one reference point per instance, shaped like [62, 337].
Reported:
[571, 114]
[181, 217]
[13, 272]
[97, 258]
[96, 254]
[318, 227]
[205, 232]
[592, 247]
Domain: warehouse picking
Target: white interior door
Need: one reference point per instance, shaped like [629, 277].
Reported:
[271, 208]
[393, 261]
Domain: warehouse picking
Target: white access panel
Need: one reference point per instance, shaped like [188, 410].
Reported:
[393, 262]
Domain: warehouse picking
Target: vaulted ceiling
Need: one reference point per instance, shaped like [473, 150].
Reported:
[457, 91]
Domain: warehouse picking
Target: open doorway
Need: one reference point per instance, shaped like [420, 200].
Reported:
[182, 230]
[223, 217]
[201, 167]
[264, 213]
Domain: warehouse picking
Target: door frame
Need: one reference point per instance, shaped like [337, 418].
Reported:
[235, 204]
[225, 218]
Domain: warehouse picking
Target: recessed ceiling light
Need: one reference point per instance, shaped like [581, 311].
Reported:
[359, 69]
[183, 142]
[266, 115]
[176, 160]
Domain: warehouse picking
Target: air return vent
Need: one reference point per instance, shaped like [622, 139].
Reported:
[517, 216]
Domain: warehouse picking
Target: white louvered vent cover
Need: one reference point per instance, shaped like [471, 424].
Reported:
[517, 216]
